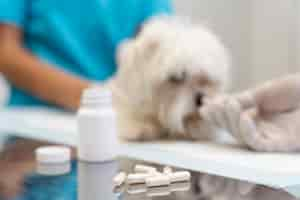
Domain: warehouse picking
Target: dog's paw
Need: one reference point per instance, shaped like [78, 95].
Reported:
[224, 112]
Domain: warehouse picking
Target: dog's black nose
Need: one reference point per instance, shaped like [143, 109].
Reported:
[199, 99]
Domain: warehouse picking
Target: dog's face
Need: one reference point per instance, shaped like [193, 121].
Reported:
[179, 97]
[175, 68]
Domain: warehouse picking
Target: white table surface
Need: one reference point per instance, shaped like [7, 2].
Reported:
[228, 160]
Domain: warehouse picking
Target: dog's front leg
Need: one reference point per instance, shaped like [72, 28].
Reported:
[132, 129]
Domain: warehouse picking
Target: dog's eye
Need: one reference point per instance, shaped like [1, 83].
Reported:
[177, 78]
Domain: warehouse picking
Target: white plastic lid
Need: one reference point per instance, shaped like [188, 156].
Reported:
[53, 154]
[53, 169]
[99, 95]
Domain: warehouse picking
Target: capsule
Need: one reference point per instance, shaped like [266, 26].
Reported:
[182, 176]
[119, 179]
[158, 180]
[138, 178]
[167, 170]
[158, 191]
[180, 186]
[118, 190]
[137, 189]
[144, 169]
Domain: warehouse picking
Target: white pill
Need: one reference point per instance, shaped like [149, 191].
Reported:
[180, 176]
[180, 186]
[144, 169]
[118, 191]
[158, 191]
[137, 189]
[119, 179]
[167, 170]
[155, 173]
[158, 180]
[137, 178]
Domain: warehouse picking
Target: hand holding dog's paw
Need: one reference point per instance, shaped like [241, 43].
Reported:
[257, 132]
[226, 113]
[276, 133]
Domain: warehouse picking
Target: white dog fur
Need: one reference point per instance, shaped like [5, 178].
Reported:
[165, 73]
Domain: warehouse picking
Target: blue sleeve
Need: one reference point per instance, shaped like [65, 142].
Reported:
[148, 9]
[13, 12]
[157, 7]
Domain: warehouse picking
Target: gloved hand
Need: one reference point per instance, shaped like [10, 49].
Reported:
[266, 118]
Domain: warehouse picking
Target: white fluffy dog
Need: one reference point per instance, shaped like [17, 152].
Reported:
[165, 74]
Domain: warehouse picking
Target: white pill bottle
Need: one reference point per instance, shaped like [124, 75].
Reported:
[97, 126]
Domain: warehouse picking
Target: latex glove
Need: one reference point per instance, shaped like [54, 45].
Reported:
[275, 96]
[266, 118]
[226, 112]
[279, 132]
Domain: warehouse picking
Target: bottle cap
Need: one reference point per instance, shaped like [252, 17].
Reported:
[96, 95]
[53, 169]
[53, 154]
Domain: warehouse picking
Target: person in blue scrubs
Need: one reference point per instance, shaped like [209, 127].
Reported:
[51, 50]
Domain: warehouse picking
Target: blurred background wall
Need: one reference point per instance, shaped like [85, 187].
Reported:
[263, 36]
[230, 19]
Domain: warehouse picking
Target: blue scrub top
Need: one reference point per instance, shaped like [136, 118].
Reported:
[77, 36]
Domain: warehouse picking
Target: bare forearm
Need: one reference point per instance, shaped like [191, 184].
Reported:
[29, 73]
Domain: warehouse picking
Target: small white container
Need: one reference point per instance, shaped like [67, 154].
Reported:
[53, 154]
[53, 160]
[97, 126]
[53, 169]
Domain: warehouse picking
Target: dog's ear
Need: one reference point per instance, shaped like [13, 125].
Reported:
[147, 47]
[133, 50]
[125, 53]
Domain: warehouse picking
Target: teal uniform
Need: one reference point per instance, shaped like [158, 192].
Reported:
[77, 36]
